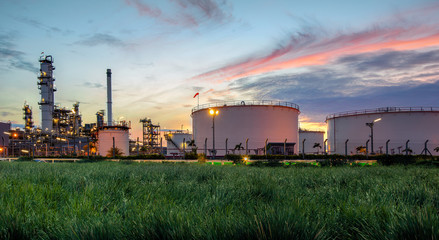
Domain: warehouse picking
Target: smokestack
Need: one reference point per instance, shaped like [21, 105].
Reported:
[109, 107]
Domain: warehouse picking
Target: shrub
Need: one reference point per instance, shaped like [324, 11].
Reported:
[236, 158]
[25, 159]
[190, 155]
[202, 158]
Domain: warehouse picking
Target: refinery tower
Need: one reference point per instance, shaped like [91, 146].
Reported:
[47, 89]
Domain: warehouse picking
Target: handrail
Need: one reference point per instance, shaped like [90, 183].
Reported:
[246, 103]
[382, 110]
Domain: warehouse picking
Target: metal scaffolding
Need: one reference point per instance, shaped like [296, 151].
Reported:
[151, 134]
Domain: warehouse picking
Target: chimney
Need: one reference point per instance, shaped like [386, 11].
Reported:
[109, 102]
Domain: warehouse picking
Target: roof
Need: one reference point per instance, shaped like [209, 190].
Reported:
[382, 110]
[246, 103]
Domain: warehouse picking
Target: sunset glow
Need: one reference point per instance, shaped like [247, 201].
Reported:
[324, 56]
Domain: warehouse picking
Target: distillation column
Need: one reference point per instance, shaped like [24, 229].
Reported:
[47, 89]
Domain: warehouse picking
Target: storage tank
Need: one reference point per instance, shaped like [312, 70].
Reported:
[245, 125]
[396, 124]
[178, 142]
[313, 141]
[105, 139]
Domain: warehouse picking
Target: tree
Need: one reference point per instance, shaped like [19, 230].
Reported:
[408, 150]
[117, 152]
[238, 147]
[361, 149]
[318, 146]
[193, 146]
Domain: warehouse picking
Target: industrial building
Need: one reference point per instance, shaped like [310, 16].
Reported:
[311, 142]
[4, 138]
[226, 127]
[62, 132]
[244, 127]
[395, 130]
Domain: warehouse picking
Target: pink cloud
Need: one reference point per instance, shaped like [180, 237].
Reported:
[307, 50]
[189, 13]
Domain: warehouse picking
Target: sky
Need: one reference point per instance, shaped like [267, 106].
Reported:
[325, 56]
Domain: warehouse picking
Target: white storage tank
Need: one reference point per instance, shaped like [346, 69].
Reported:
[242, 125]
[105, 139]
[396, 124]
[178, 142]
[313, 141]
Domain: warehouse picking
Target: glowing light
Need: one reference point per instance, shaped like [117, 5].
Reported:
[377, 120]
[213, 112]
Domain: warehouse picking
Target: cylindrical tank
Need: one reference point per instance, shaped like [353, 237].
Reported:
[245, 125]
[397, 124]
[105, 139]
[178, 143]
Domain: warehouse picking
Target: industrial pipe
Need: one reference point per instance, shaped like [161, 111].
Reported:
[367, 147]
[109, 100]
[407, 147]
[246, 146]
[346, 147]
[161, 145]
[387, 147]
[303, 148]
[324, 146]
[184, 148]
[285, 148]
[114, 148]
[227, 151]
[266, 141]
[205, 147]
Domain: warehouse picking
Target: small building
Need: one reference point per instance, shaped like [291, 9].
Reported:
[178, 143]
[311, 142]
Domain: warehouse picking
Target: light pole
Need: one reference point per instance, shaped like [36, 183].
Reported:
[213, 112]
[371, 133]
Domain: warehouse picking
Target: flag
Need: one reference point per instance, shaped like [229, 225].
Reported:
[196, 94]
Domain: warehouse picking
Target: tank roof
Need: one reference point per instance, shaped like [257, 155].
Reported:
[383, 110]
[113, 128]
[246, 103]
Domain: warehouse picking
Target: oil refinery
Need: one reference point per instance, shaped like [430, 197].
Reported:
[227, 127]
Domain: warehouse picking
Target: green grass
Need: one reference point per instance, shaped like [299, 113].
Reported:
[110, 200]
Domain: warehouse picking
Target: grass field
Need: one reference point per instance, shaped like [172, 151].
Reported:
[194, 201]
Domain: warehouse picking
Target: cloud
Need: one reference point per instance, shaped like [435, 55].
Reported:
[101, 39]
[12, 57]
[348, 83]
[189, 13]
[39, 25]
[390, 60]
[5, 114]
[93, 85]
[311, 47]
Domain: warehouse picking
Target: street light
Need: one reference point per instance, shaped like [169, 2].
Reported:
[371, 133]
[213, 112]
